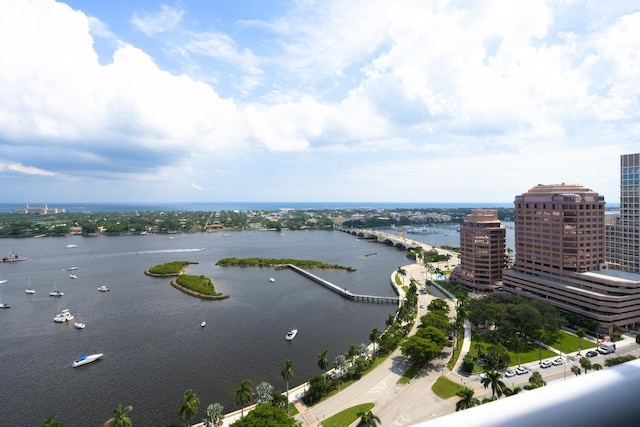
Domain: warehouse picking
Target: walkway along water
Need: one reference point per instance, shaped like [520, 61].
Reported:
[343, 292]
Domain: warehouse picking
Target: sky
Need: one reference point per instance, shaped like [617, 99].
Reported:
[314, 101]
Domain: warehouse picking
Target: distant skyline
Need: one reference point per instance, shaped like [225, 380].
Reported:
[314, 101]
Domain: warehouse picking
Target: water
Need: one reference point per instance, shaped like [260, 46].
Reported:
[150, 332]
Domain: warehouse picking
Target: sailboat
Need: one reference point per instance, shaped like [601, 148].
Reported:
[2, 304]
[29, 290]
[54, 292]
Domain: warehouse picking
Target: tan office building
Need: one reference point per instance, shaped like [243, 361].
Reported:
[560, 256]
[482, 251]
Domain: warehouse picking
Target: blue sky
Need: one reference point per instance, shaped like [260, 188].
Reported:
[363, 101]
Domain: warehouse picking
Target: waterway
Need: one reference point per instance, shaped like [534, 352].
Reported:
[154, 348]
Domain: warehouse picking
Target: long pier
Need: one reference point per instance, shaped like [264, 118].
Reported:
[341, 291]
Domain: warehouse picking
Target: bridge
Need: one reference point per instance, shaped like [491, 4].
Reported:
[387, 238]
[341, 291]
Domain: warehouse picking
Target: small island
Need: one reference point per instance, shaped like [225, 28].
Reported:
[197, 286]
[272, 262]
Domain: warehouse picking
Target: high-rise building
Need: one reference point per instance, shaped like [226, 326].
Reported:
[482, 251]
[623, 228]
[560, 256]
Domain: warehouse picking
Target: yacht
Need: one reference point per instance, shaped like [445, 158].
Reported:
[291, 334]
[79, 325]
[63, 316]
[56, 293]
[73, 276]
[103, 288]
[83, 360]
[272, 280]
[71, 246]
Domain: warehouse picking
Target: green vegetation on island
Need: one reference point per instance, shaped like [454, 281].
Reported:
[169, 268]
[272, 262]
[200, 284]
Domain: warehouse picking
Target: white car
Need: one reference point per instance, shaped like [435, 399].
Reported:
[521, 370]
[557, 362]
[510, 373]
[545, 364]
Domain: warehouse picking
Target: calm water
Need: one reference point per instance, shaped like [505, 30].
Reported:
[149, 332]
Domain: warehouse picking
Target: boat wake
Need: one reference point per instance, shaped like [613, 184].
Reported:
[163, 251]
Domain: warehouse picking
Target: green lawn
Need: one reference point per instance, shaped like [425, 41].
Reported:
[570, 343]
[346, 417]
[445, 388]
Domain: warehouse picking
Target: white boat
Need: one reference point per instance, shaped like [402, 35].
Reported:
[203, 324]
[72, 268]
[103, 288]
[73, 276]
[29, 289]
[71, 246]
[56, 293]
[63, 316]
[83, 360]
[272, 280]
[291, 334]
[3, 281]
[79, 325]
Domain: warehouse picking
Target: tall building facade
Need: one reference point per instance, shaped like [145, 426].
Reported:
[560, 256]
[623, 229]
[482, 251]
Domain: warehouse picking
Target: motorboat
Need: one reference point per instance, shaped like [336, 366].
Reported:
[3, 305]
[71, 246]
[83, 360]
[79, 325]
[103, 288]
[63, 316]
[272, 280]
[291, 334]
[13, 257]
[56, 293]
[72, 268]
[73, 276]
[203, 324]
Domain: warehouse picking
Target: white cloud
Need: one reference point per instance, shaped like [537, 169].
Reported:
[150, 23]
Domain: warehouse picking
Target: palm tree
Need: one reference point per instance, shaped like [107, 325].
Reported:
[341, 364]
[189, 407]
[367, 419]
[518, 343]
[466, 399]
[580, 333]
[263, 393]
[576, 370]
[353, 352]
[401, 271]
[323, 363]
[374, 336]
[494, 380]
[120, 418]
[215, 416]
[287, 374]
[242, 396]
[51, 421]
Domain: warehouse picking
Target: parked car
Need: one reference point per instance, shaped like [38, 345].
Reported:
[521, 370]
[510, 373]
[545, 364]
[557, 362]
[591, 353]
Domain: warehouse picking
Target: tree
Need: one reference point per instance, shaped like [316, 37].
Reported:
[367, 419]
[323, 363]
[266, 415]
[242, 396]
[596, 366]
[536, 380]
[215, 415]
[580, 333]
[586, 364]
[353, 352]
[263, 393]
[576, 370]
[466, 399]
[518, 344]
[374, 336]
[120, 417]
[419, 349]
[494, 379]
[438, 305]
[401, 271]
[189, 407]
[341, 364]
[287, 374]
[51, 421]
